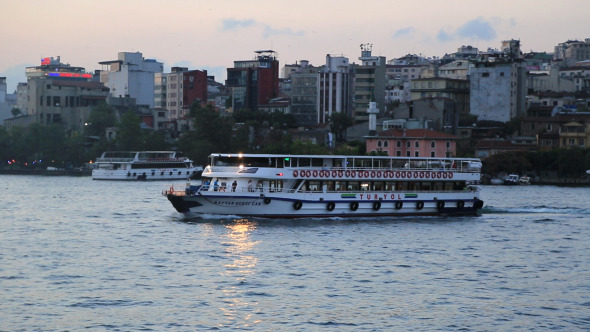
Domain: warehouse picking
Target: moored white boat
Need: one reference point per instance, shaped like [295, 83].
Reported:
[143, 165]
[329, 186]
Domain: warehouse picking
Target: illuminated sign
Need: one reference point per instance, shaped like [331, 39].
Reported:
[76, 75]
[45, 61]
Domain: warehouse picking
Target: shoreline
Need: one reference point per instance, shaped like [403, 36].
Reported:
[59, 172]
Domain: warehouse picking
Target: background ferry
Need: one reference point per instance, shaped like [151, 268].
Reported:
[143, 165]
[330, 186]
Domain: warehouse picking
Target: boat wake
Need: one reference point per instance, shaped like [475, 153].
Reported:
[535, 209]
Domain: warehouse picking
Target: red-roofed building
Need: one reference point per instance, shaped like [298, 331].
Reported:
[413, 143]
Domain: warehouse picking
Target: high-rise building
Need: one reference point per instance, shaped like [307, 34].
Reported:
[60, 93]
[369, 83]
[335, 88]
[254, 82]
[131, 75]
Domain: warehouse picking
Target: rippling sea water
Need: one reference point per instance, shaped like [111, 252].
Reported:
[112, 256]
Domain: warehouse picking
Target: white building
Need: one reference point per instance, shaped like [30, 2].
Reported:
[497, 90]
[335, 88]
[131, 75]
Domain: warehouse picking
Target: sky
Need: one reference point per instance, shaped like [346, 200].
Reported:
[211, 35]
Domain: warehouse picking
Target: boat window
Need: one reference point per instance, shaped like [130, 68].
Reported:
[353, 186]
[275, 185]
[401, 185]
[377, 186]
[339, 185]
[437, 186]
[331, 185]
[389, 186]
[314, 186]
[365, 186]
[317, 162]
[304, 162]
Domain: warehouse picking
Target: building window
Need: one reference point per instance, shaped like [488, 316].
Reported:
[416, 153]
[398, 153]
[378, 144]
[385, 144]
[417, 144]
[407, 153]
[448, 145]
[432, 154]
[485, 74]
[433, 145]
[399, 144]
[408, 144]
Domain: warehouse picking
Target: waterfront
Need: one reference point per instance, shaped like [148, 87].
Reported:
[99, 255]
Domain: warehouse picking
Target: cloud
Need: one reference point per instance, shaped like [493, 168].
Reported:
[269, 31]
[478, 29]
[232, 24]
[405, 32]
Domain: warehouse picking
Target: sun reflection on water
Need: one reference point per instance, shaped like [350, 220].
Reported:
[239, 271]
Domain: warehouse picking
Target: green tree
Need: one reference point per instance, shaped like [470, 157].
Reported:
[130, 135]
[15, 112]
[100, 118]
[339, 122]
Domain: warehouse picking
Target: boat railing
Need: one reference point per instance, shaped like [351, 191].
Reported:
[114, 160]
[182, 191]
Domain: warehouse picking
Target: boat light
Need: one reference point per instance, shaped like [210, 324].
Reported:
[241, 167]
[240, 155]
[279, 174]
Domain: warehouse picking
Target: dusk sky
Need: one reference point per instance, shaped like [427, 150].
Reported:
[210, 35]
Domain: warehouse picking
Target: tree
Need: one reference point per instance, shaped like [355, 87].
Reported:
[129, 135]
[15, 112]
[339, 122]
[100, 118]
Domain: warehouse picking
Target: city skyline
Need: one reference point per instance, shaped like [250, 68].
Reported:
[211, 36]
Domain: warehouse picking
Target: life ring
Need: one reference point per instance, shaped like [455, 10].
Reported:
[421, 174]
[267, 200]
[340, 174]
[419, 205]
[327, 174]
[366, 174]
[354, 206]
[308, 173]
[403, 174]
[315, 174]
[385, 174]
[376, 206]
[297, 205]
[397, 174]
[330, 206]
[360, 174]
[399, 205]
[440, 205]
[347, 173]
[450, 175]
[352, 173]
[416, 174]
[322, 173]
[427, 175]
[460, 204]
[295, 173]
[334, 174]
[373, 174]
[444, 175]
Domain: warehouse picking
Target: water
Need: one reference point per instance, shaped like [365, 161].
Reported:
[111, 256]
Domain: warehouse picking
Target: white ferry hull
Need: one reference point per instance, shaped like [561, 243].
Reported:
[304, 186]
[331, 205]
[145, 174]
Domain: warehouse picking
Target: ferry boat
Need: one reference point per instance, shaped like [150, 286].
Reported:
[293, 186]
[143, 165]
